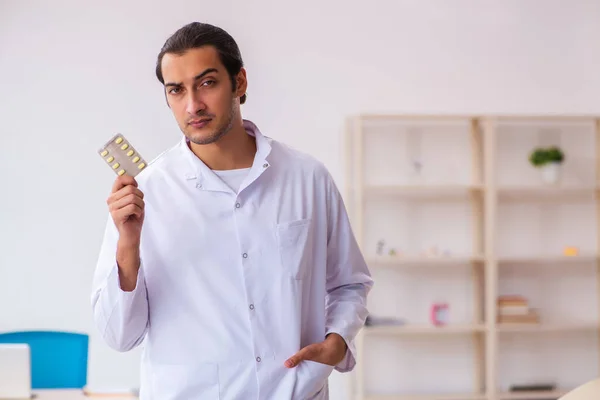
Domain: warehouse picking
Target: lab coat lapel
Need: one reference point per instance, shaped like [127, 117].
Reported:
[263, 150]
[205, 179]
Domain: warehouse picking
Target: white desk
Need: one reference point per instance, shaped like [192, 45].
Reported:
[75, 395]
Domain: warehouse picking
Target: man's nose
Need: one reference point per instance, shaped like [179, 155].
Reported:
[194, 104]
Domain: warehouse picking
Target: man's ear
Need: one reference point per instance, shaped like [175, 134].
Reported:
[241, 83]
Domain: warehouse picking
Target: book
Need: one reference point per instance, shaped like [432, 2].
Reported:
[518, 301]
[539, 387]
[513, 310]
[530, 318]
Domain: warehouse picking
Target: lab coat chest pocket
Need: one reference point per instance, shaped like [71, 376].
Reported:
[182, 382]
[294, 242]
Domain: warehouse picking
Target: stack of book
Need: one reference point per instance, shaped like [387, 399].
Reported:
[515, 310]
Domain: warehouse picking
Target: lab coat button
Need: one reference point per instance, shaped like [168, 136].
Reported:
[252, 306]
[265, 165]
[257, 359]
[237, 205]
[199, 186]
[245, 255]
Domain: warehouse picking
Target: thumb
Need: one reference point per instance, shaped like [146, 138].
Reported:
[306, 353]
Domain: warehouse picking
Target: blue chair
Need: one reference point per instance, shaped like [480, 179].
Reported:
[59, 360]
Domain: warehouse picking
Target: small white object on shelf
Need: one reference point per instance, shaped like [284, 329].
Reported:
[551, 173]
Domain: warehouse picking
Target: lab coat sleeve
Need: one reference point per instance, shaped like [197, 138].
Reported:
[121, 317]
[348, 278]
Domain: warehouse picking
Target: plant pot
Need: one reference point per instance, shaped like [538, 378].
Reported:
[551, 173]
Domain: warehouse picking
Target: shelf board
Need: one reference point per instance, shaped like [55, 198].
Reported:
[549, 327]
[402, 261]
[549, 259]
[420, 191]
[515, 192]
[504, 119]
[549, 192]
[468, 396]
[422, 329]
[531, 395]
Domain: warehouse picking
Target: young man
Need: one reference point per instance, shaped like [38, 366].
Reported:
[231, 256]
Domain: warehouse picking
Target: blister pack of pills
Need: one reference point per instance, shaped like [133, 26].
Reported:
[120, 155]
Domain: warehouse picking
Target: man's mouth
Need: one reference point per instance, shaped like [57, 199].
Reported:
[199, 123]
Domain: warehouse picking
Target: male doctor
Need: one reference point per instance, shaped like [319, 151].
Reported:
[231, 256]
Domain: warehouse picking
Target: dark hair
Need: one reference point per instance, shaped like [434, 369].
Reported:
[197, 34]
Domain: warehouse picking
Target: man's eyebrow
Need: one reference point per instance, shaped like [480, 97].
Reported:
[199, 76]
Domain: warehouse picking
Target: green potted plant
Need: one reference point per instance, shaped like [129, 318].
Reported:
[549, 160]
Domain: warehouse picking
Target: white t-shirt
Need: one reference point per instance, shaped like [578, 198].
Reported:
[233, 177]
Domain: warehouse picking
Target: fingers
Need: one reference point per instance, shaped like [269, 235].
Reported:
[124, 192]
[122, 181]
[309, 352]
[125, 200]
[124, 207]
[123, 213]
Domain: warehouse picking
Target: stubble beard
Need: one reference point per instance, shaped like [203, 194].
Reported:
[219, 132]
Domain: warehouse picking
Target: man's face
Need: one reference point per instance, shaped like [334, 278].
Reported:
[200, 94]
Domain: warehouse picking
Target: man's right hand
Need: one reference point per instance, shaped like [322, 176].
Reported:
[126, 206]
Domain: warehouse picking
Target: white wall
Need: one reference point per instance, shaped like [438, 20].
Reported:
[73, 74]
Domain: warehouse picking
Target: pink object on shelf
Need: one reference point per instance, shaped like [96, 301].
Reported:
[439, 314]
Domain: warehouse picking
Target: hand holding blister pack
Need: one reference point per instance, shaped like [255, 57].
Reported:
[126, 205]
[120, 155]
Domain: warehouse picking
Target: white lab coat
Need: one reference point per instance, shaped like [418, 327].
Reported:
[232, 284]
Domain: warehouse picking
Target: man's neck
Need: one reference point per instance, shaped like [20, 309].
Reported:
[235, 150]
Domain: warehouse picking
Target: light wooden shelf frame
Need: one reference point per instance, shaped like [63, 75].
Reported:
[484, 194]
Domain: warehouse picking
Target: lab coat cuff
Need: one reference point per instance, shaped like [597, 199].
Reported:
[114, 284]
[349, 361]
[124, 315]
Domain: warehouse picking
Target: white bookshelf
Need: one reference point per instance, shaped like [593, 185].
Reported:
[494, 213]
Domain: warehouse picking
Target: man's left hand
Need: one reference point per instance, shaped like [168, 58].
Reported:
[331, 351]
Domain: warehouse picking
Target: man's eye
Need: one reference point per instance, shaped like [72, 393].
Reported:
[174, 90]
[208, 83]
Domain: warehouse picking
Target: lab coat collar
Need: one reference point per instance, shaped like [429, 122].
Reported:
[205, 179]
